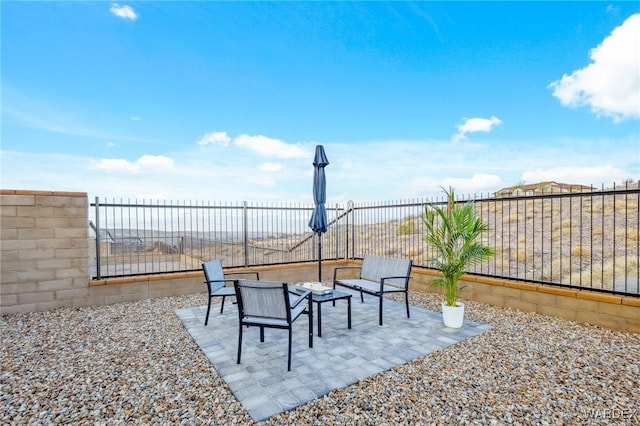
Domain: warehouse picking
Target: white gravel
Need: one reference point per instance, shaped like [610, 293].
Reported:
[134, 363]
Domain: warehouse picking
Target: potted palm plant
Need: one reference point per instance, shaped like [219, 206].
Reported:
[453, 232]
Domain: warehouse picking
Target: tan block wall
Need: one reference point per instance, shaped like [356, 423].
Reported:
[605, 310]
[44, 250]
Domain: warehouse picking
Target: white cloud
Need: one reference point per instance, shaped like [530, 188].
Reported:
[125, 12]
[270, 167]
[579, 175]
[610, 84]
[142, 164]
[155, 162]
[479, 182]
[269, 147]
[215, 138]
[472, 125]
[135, 118]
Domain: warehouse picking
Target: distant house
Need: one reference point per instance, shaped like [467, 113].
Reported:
[540, 188]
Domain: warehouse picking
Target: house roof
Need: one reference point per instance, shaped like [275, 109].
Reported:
[543, 186]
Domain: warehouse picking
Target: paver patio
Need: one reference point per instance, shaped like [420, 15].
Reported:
[339, 358]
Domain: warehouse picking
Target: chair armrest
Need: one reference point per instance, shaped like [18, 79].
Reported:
[405, 277]
[220, 281]
[300, 298]
[256, 273]
[399, 276]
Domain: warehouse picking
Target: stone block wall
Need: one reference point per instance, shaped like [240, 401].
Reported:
[43, 249]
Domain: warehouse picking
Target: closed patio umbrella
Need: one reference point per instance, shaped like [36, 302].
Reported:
[318, 222]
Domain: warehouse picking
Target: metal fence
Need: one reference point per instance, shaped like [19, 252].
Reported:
[576, 239]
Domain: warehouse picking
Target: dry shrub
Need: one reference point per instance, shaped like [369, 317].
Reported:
[628, 235]
[514, 217]
[523, 255]
[580, 250]
[596, 275]
[621, 205]
[567, 226]
[407, 228]
[556, 270]
[595, 207]
[547, 208]
[597, 230]
[609, 210]
[602, 276]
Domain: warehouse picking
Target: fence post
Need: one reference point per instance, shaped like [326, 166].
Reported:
[245, 232]
[337, 234]
[352, 239]
[98, 268]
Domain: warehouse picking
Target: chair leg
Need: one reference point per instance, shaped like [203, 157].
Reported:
[262, 334]
[406, 301]
[310, 308]
[361, 297]
[206, 319]
[222, 305]
[380, 314]
[289, 355]
[239, 344]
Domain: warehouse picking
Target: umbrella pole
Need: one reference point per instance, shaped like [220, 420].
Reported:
[319, 257]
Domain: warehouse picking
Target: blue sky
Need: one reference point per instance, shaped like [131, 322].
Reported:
[227, 100]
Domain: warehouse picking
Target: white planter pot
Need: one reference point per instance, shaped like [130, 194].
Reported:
[453, 315]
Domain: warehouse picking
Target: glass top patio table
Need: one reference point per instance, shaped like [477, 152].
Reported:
[322, 298]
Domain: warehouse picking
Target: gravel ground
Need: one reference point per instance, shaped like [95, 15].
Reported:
[134, 363]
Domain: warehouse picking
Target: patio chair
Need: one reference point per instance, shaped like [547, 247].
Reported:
[216, 281]
[267, 304]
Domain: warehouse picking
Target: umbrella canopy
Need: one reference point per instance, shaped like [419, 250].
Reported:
[318, 222]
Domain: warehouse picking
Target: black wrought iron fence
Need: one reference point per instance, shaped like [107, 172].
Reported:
[585, 239]
[136, 238]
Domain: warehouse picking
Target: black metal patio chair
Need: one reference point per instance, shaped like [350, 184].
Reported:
[216, 281]
[267, 304]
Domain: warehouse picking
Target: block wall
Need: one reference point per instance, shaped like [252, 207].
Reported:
[605, 310]
[43, 249]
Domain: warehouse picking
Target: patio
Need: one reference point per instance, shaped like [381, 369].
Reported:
[135, 363]
[340, 358]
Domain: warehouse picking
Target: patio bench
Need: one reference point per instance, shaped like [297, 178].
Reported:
[378, 276]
